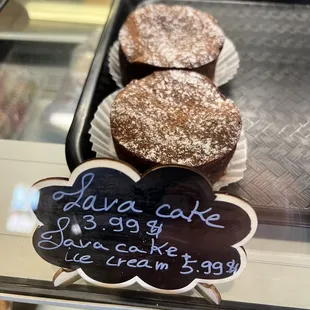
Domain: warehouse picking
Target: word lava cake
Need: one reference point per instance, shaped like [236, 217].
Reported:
[175, 117]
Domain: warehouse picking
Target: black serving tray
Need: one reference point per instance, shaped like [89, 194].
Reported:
[272, 90]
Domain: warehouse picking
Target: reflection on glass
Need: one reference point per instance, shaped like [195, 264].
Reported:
[46, 49]
[21, 218]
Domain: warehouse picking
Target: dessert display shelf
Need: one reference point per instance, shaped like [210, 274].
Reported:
[271, 90]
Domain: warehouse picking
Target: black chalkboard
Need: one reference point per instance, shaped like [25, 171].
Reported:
[166, 229]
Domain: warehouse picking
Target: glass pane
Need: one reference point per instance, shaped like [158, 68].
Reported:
[46, 51]
[46, 48]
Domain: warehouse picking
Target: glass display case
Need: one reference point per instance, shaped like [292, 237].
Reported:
[45, 61]
[54, 72]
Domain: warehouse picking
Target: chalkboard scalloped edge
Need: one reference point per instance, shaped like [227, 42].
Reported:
[136, 176]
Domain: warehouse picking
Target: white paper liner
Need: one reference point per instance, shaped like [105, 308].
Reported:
[101, 138]
[226, 67]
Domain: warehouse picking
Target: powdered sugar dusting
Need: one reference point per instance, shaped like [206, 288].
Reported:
[175, 117]
[171, 37]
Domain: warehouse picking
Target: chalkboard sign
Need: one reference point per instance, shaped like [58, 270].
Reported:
[166, 229]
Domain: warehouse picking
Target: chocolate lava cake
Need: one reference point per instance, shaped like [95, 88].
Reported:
[175, 117]
[160, 37]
